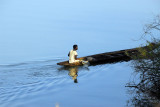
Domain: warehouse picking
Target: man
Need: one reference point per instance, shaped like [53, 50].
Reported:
[73, 54]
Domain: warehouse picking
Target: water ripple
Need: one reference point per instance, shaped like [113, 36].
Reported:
[24, 80]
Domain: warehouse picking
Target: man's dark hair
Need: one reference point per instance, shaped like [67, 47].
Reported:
[74, 46]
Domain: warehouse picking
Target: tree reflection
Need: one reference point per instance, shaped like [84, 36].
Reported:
[144, 94]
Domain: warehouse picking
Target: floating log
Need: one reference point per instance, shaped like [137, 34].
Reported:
[108, 57]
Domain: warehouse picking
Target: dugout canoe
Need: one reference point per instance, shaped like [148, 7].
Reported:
[108, 57]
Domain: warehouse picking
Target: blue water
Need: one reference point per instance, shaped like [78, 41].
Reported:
[36, 34]
[44, 84]
[38, 30]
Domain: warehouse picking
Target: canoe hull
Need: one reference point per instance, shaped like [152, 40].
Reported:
[66, 63]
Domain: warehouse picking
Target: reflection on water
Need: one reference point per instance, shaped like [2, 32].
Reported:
[144, 94]
[73, 71]
[142, 97]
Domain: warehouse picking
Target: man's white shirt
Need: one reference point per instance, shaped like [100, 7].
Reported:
[72, 56]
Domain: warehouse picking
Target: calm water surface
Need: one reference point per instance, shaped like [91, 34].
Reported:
[36, 34]
[38, 30]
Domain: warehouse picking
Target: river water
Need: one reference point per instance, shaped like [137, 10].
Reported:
[36, 34]
[44, 84]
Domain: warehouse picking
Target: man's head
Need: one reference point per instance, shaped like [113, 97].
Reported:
[75, 47]
[75, 81]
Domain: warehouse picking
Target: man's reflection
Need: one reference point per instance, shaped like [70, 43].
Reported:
[73, 72]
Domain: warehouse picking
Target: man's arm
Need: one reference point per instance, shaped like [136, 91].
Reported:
[75, 57]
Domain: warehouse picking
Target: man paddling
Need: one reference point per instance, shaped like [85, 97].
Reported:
[73, 55]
